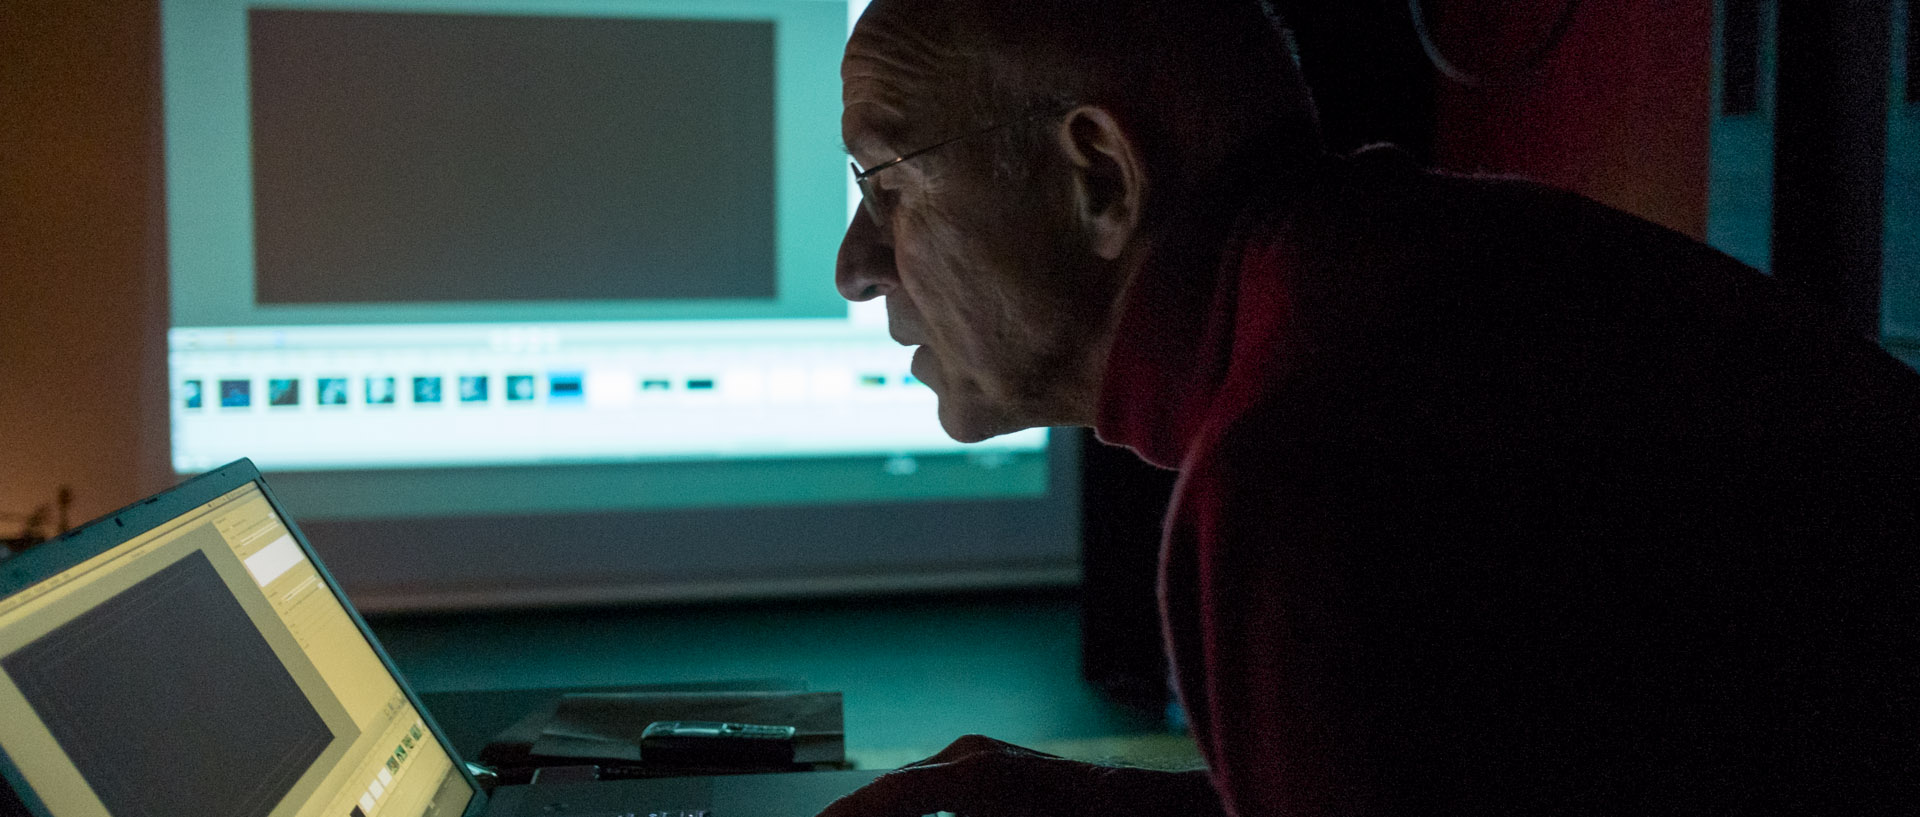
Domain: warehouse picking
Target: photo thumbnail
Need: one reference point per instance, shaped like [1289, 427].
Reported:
[520, 388]
[236, 393]
[473, 388]
[380, 391]
[283, 391]
[332, 391]
[426, 390]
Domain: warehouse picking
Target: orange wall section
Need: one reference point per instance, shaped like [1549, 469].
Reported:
[1620, 112]
[82, 270]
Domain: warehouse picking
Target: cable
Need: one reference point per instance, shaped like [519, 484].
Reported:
[1522, 71]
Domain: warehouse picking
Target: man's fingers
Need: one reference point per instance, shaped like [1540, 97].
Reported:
[970, 745]
[911, 791]
[974, 775]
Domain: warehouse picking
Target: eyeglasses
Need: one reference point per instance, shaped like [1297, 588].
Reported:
[870, 198]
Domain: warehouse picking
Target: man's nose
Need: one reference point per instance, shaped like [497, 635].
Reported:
[864, 270]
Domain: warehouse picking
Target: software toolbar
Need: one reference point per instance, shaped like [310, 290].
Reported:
[334, 397]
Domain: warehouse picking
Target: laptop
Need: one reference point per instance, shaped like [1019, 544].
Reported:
[189, 655]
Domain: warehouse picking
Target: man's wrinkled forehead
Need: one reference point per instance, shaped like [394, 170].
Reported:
[891, 78]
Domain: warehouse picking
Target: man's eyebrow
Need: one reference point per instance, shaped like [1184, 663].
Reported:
[875, 144]
[870, 138]
[873, 130]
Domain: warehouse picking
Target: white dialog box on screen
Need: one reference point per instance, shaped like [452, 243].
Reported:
[274, 560]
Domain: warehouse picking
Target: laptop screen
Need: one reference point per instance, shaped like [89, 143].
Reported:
[206, 667]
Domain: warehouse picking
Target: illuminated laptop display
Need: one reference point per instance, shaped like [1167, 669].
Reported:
[206, 666]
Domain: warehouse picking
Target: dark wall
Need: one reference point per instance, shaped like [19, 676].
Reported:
[1369, 76]
[1618, 111]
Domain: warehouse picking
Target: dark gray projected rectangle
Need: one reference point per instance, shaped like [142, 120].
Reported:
[408, 157]
[169, 700]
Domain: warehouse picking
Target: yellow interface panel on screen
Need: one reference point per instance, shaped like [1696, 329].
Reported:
[207, 668]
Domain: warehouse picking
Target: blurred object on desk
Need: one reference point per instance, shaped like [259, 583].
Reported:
[33, 525]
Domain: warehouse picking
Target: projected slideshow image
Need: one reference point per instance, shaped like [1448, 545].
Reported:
[437, 236]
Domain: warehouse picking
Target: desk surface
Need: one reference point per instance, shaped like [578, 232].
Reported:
[470, 719]
[916, 673]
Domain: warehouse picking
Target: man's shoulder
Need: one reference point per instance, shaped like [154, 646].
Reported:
[1377, 220]
[1447, 317]
[1377, 241]
[1382, 184]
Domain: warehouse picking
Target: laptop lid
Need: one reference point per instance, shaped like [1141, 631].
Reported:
[189, 655]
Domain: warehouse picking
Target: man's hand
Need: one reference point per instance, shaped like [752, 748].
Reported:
[981, 777]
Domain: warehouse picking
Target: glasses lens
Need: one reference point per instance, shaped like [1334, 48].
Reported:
[869, 198]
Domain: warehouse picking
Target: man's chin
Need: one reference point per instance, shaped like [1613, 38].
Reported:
[968, 411]
[972, 423]
[962, 434]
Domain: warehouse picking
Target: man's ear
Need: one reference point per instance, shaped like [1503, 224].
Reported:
[1109, 178]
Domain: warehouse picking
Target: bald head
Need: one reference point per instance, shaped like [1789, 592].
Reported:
[1193, 81]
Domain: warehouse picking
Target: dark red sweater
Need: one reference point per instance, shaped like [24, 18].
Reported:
[1494, 500]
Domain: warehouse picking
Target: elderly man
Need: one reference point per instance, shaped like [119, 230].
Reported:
[1492, 499]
